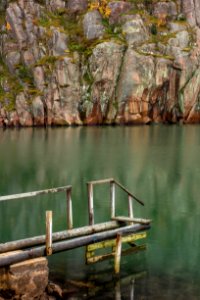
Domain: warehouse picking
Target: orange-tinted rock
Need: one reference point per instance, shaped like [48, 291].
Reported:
[165, 10]
[117, 8]
[27, 280]
[191, 9]
[23, 109]
[77, 6]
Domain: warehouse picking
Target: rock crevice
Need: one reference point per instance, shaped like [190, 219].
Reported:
[99, 62]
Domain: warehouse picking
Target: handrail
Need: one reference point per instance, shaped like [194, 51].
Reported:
[130, 194]
[35, 193]
[101, 181]
[110, 180]
[67, 189]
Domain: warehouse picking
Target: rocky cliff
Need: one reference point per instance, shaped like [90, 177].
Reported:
[93, 62]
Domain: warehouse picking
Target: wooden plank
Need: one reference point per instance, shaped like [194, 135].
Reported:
[90, 254]
[111, 243]
[35, 193]
[134, 220]
[98, 258]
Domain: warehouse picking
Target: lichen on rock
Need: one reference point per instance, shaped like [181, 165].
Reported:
[99, 62]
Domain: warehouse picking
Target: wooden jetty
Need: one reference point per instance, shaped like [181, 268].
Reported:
[111, 235]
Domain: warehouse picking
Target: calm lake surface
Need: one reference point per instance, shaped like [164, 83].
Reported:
[159, 164]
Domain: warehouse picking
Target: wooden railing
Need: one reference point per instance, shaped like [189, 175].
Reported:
[67, 189]
[113, 184]
[51, 237]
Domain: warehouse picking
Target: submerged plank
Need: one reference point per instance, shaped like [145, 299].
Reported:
[111, 243]
[99, 258]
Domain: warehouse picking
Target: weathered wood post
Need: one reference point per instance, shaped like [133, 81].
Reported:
[69, 208]
[132, 289]
[117, 291]
[90, 203]
[118, 253]
[112, 198]
[130, 207]
[48, 232]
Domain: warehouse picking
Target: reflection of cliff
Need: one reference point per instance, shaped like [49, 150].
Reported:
[169, 186]
[159, 165]
[70, 62]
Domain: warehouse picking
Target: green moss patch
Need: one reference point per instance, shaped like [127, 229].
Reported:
[10, 87]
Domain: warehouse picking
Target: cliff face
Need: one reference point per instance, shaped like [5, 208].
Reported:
[107, 62]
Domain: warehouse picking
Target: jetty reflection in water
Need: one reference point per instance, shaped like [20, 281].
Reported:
[104, 285]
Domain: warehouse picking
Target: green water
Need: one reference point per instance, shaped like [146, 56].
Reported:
[159, 164]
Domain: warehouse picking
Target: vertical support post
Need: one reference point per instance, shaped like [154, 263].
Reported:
[48, 232]
[69, 208]
[118, 253]
[112, 198]
[132, 290]
[90, 203]
[130, 207]
[117, 290]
